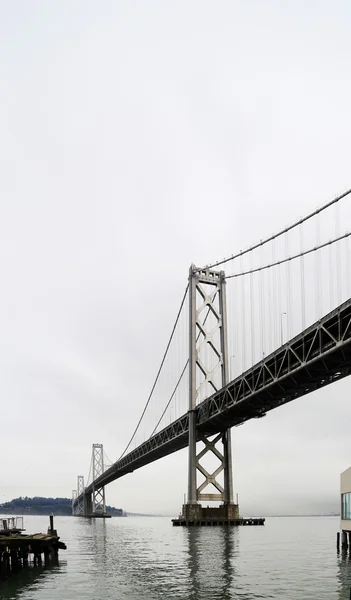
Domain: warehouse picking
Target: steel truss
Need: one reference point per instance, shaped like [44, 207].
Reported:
[316, 357]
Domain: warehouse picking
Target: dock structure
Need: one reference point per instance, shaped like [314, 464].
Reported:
[11, 525]
[18, 549]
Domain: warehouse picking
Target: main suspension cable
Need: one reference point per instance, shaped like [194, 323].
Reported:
[158, 372]
[276, 235]
[284, 260]
[171, 398]
[90, 472]
[180, 377]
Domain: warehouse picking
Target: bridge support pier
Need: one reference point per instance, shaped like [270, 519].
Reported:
[208, 372]
[88, 504]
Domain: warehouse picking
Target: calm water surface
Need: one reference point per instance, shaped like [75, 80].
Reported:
[147, 558]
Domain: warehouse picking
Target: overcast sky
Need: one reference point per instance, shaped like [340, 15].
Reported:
[136, 138]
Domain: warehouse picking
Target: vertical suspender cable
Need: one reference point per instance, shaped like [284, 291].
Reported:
[261, 316]
[317, 272]
[269, 303]
[337, 255]
[232, 325]
[274, 302]
[252, 314]
[302, 274]
[331, 278]
[288, 290]
[243, 341]
[263, 320]
[348, 266]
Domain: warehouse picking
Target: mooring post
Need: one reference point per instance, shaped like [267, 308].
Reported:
[338, 541]
[51, 530]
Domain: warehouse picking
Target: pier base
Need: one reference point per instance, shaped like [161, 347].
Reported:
[95, 516]
[193, 512]
[226, 514]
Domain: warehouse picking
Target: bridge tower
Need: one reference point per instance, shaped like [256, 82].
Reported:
[99, 505]
[208, 372]
[78, 498]
[74, 500]
[90, 501]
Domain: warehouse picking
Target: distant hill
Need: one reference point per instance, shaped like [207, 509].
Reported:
[46, 506]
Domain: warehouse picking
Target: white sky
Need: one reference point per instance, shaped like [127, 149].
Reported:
[136, 138]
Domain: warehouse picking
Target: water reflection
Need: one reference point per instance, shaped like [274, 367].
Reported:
[211, 562]
[157, 562]
[96, 531]
[15, 584]
[344, 575]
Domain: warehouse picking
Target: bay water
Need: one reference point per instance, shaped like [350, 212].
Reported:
[145, 558]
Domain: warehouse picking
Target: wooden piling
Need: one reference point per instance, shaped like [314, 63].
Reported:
[338, 541]
[344, 540]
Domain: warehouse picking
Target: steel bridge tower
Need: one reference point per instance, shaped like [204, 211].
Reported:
[208, 372]
[78, 504]
[91, 504]
[99, 505]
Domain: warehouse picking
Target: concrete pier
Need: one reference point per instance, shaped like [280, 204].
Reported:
[226, 514]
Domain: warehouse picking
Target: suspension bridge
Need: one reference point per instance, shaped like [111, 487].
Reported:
[274, 328]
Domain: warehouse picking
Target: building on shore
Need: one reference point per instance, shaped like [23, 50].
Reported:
[345, 505]
[345, 508]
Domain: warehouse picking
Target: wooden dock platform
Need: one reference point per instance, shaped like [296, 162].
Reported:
[11, 525]
[182, 522]
[17, 549]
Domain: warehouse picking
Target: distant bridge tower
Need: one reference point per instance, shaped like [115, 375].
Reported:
[90, 501]
[74, 501]
[208, 372]
[99, 505]
[78, 498]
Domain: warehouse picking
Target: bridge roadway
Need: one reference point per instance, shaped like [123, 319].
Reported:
[313, 359]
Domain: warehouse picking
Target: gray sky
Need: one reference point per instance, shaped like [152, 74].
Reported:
[136, 138]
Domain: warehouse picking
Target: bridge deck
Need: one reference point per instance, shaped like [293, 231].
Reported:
[315, 358]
